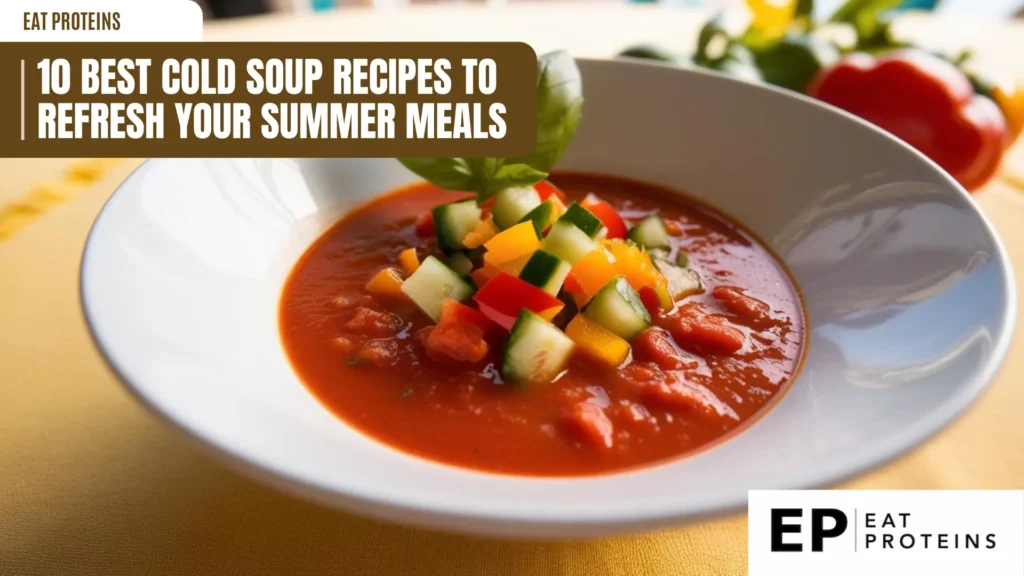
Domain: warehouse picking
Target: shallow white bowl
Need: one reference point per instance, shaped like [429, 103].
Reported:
[909, 292]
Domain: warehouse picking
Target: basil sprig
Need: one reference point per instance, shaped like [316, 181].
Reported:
[559, 109]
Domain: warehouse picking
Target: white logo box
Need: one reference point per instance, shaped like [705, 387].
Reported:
[932, 532]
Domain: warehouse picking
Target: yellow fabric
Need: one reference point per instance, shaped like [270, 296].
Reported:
[91, 484]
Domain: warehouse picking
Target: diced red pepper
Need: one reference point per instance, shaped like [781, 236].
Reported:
[651, 301]
[608, 215]
[709, 332]
[589, 422]
[455, 312]
[425, 225]
[654, 344]
[504, 296]
[546, 190]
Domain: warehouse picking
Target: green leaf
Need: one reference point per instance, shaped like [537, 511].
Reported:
[448, 173]
[512, 176]
[803, 17]
[864, 15]
[648, 52]
[559, 109]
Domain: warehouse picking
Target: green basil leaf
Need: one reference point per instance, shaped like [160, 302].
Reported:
[447, 173]
[559, 109]
[511, 176]
[793, 61]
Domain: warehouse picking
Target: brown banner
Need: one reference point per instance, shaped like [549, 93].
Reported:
[267, 99]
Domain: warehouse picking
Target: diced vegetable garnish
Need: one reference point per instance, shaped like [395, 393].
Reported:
[511, 204]
[387, 282]
[635, 264]
[453, 221]
[545, 271]
[482, 232]
[593, 271]
[568, 242]
[544, 216]
[609, 216]
[585, 220]
[501, 299]
[618, 308]
[682, 282]
[408, 261]
[536, 352]
[683, 259]
[516, 242]
[432, 283]
[460, 263]
[547, 190]
[455, 312]
[597, 341]
[425, 225]
[650, 233]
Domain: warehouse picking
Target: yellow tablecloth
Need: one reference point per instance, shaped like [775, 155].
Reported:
[91, 484]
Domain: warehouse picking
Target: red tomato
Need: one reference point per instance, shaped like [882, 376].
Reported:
[603, 210]
[425, 225]
[455, 312]
[546, 190]
[504, 296]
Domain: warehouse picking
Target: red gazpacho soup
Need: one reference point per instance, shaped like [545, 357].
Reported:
[584, 325]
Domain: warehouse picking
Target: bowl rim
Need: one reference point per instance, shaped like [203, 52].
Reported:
[604, 521]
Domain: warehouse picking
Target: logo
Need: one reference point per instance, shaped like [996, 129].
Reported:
[797, 533]
[818, 531]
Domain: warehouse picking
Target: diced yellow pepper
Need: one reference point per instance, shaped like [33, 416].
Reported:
[597, 341]
[593, 271]
[482, 232]
[387, 282]
[635, 264]
[516, 242]
[408, 260]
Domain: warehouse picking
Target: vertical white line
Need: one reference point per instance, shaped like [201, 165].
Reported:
[23, 100]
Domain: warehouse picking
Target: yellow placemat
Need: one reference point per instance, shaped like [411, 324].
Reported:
[91, 484]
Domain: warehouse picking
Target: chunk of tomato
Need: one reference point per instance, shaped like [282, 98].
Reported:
[609, 216]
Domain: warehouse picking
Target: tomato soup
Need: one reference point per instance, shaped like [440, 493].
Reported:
[659, 327]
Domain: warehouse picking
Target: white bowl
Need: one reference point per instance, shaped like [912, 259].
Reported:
[909, 292]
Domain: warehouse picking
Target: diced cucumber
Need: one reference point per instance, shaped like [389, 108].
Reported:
[618, 308]
[536, 352]
[584, 220]
[682, 282]
[431, 283]
[460, 263]
[568, 242]
[542, 216]
[545, 271]
[650, 233]
[453, 221]
[511, 204]
[683, 259]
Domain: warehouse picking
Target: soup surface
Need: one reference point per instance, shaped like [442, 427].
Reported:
[680, 388]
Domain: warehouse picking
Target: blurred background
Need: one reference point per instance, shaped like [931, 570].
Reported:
[216, 9]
